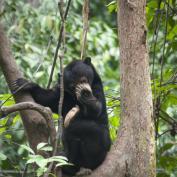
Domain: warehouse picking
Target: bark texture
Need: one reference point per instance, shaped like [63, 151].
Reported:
[44, 111]
[35, 125]
[136, 91]
[133, 153]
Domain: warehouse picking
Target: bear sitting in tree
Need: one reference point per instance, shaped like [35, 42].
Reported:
[86, 137]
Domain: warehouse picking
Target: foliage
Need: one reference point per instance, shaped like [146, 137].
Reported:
[161, 22]
[42, 162]
[33, 32]
[11, 136]
[162, 35]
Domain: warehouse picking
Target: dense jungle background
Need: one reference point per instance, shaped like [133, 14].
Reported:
[33, 28]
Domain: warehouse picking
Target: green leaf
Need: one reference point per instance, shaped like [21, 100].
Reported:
[34, 158]
[112, 6]
[59, 157]
[40, 145]
[63, 163]
[42, 162]
[57, 160]
[2, 156]
[47, 148]
[41, 171]
[27, 148]
[39, 160]
[166, 147]
[8, 136]
[172, 33]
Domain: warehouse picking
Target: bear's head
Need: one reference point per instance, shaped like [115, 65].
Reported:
[78, 73]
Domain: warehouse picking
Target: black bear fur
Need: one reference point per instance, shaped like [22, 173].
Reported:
[86, 140]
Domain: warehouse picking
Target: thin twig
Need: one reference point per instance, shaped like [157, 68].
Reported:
[165, 41]
[164, 133]
[85, 12]
[155, 38]
[58, 44]
[171, 8]
[61, 57]
[158, 101]
[44, 54]
[25, 170]
[60, 105]
[172, 80]
[169, 116]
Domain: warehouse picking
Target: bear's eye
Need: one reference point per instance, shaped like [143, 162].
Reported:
[83, 80]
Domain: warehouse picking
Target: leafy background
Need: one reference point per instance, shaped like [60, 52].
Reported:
[33, 27]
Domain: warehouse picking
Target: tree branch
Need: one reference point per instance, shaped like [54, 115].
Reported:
[133, 153]
[44, 111]
[35, 125]
[85, 14]
[58, 44]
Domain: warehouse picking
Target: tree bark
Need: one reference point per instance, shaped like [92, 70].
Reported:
[35, 125]
[136, 91]
[133, 153]
[44, 111]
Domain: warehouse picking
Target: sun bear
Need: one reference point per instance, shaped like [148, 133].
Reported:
[86, 137]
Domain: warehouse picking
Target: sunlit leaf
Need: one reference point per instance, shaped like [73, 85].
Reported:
[27, 148]
[3, 156]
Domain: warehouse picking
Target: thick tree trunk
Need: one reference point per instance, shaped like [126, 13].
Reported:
[133, 153]
[136, 89]
[35, 125]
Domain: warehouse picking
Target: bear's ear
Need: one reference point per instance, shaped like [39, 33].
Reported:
[87, 60]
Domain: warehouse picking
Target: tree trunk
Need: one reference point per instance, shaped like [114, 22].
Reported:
[133, 153]
[136, 89]
[35, 125]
